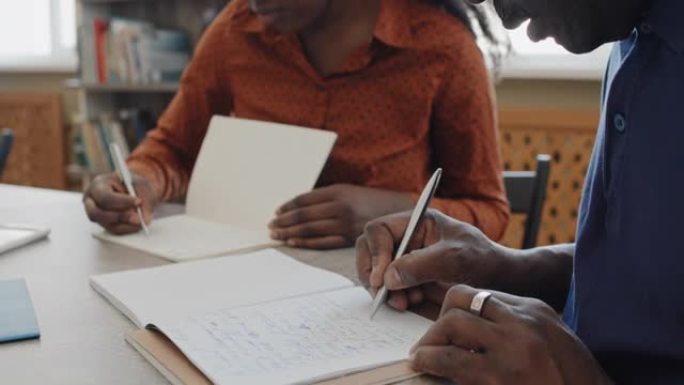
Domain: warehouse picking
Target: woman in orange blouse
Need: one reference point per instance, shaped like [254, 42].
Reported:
[402, 82]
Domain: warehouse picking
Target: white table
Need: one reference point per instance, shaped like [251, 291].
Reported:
[82, 336]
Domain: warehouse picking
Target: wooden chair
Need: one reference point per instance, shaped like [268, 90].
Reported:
[6, 141]
[40, 151]
[526, 193]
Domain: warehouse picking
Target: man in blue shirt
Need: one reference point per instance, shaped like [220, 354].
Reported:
[621, 285]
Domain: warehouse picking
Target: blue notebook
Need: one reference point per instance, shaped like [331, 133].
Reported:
[17, 318]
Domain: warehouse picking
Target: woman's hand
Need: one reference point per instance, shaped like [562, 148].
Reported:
[108, 203]
[333, 217]
[514, 341]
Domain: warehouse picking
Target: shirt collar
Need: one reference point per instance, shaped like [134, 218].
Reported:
[665, 19]
[394, 26]
[244, 20]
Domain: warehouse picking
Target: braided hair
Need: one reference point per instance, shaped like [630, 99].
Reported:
[485, 26]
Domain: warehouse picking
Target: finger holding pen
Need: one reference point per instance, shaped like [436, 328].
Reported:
[127, 179]
[376, 267]
[445, 252]
[108, 203]
[413, 223]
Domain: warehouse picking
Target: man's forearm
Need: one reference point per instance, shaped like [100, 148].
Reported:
[543, 272]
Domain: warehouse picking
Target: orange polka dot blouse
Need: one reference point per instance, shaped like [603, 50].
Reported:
[418, 97]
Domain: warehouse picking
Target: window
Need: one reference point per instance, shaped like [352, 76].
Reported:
[548, 60]
[38, 35]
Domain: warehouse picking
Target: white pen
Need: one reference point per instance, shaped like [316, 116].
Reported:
[127, 179]
[418, 212]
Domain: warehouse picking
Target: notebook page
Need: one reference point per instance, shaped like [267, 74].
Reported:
[298, 340]
[181, 237]
[174, 292]
[15, 236]
[247, 169]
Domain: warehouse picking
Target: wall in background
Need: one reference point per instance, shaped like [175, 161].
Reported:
[553, 94]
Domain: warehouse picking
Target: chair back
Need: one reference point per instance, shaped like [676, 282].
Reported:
[6, 141]
[526, 194]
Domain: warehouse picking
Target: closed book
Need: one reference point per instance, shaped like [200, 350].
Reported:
[100, 28]
[79, 151]
[97, 159]
[88, 54]
[125, 37]
[117, 135]
[103, 135]
[17, 318]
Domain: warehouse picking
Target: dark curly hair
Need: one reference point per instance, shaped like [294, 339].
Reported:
[485, 25]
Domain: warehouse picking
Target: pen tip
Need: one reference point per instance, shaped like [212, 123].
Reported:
[373, 312]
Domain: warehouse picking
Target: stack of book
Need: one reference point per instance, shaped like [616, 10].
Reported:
[127, 51]
[91, 138]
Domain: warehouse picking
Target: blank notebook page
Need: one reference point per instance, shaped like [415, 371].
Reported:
[247, 169]
[174, 292]
[181, 237]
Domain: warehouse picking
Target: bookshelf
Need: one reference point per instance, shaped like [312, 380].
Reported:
[163, 87]
[139, 88]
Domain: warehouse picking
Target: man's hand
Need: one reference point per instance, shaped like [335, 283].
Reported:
[443, 252]
[332, 217]
[515, 341]
[108, 203]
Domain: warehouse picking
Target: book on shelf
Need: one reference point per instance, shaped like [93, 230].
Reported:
[114, 132]
[91, 139]
[95, 155]
[130, 51]
[100, 41]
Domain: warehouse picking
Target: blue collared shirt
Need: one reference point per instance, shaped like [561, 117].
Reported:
[627, 296]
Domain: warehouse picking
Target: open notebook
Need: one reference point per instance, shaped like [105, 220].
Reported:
[263, 318]
[14, 236]
[244, 172]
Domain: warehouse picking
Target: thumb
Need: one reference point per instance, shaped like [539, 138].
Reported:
[420, 266]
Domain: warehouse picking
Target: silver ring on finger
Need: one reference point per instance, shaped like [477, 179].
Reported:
[478, 302]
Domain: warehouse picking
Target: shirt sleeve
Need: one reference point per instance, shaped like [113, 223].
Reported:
[465, 143]
[168, 154]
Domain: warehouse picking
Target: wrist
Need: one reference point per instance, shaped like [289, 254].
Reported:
[146, 187]
[542, 272]
[510, 269]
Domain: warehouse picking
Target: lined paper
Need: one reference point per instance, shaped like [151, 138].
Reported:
[299, 340]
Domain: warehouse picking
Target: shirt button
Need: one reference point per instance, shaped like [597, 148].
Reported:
[620, 122]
